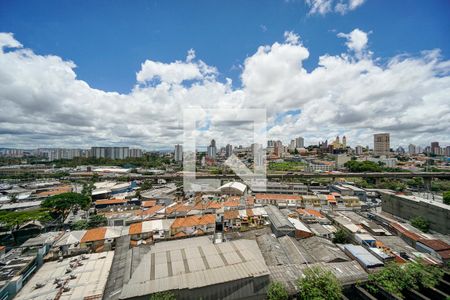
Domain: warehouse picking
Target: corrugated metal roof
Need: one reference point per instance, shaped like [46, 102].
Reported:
[193, 263]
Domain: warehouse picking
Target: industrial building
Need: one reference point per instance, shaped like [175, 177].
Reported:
[278, 222]
[198, 269]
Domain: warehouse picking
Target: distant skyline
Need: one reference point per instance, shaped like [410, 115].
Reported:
[75, 75]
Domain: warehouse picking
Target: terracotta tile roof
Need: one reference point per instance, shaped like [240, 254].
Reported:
[311, 212]
[231, 214]
[208, 205]
[56, 191]
[110, 201]
[180, 234]
[96, 234]
[250, 200]
[278, 197]
[135, 228]
[231, 203]
[331, 198]
[234, 198]
[150, 211]
[436, 245]
[191, 221]
[249, 213]
[148, 203]
[179, 208]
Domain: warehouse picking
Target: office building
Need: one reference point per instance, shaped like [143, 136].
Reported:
[212, 150]
[178, 155]
[358, 150]
[412, 149]
[381, 144]
[228, 150]
[300, 142]
[435, 148]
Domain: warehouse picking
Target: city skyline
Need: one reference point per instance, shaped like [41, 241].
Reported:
[338, 72]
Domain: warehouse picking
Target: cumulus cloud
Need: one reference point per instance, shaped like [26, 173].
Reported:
[7, 41]
[42, 103]
[323, 7]
[356, 41]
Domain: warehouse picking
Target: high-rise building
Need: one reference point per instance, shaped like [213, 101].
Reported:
[344, 142]
[359, 150]
[381, 144]
[435, 148]
[136, 153]
[228, 150]
[412, 149]
[212, 150]
[178, 155]
[292, 145]
[299, 142]
[447, 151]
[110, 152]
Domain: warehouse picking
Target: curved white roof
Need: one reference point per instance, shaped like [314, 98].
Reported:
[234, 185]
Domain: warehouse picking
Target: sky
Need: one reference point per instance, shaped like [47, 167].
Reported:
[106, 73]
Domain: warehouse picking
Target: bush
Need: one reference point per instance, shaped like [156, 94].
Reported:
[420, 223]
[163, 296]
[277, 291]
[319, 284]
[395, 278]
[446, 197]
[341, 237]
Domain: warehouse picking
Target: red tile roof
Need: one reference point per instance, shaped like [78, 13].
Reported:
[148, 203]
[150, 211]
[445, 254]
[135, 228]
[278, 197]
[96, 234]
[231, 214]
[191, 221]
[406, 232]
[110, 201]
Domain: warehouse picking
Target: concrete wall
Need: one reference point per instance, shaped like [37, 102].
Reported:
[407, 209]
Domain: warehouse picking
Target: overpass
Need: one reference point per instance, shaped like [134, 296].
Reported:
[299, 175]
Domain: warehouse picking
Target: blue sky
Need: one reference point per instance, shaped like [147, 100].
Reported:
[108, 40]
[320, 68]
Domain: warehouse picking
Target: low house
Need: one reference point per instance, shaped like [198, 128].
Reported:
[437, 248]
[279, 223]
[193, 225]
[105, 203]
[301, 230]
[363, 256]
[231, 219]
[150, 231]
[312, 216]
[280, 200]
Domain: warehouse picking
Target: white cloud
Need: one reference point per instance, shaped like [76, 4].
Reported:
[356, 40]
[42, 103]
[319, 6]
[7, 40]
[291, 37]
[323, 7]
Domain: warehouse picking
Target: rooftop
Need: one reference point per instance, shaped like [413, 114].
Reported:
[90, 279]
[194, 263]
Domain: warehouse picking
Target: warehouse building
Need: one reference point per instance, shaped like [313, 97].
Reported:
[279, 223]
[199, 269]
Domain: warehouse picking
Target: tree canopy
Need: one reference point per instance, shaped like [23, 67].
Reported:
[421, 223]
[62, 204]
[446, 196]
[395, 278]
[277, 291]
[319, 284]
[341, 237]
[363, 166]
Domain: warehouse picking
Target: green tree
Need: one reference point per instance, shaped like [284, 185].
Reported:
[80, 225]
[319, 284]
[395, 278]
[163, 296]
[446, 197]
[97, 221]
[420, 223]
[62, 204]
[363, 166]
[341, 237]
[277, 291]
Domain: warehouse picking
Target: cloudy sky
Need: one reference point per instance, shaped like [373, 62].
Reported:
[86, 74]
